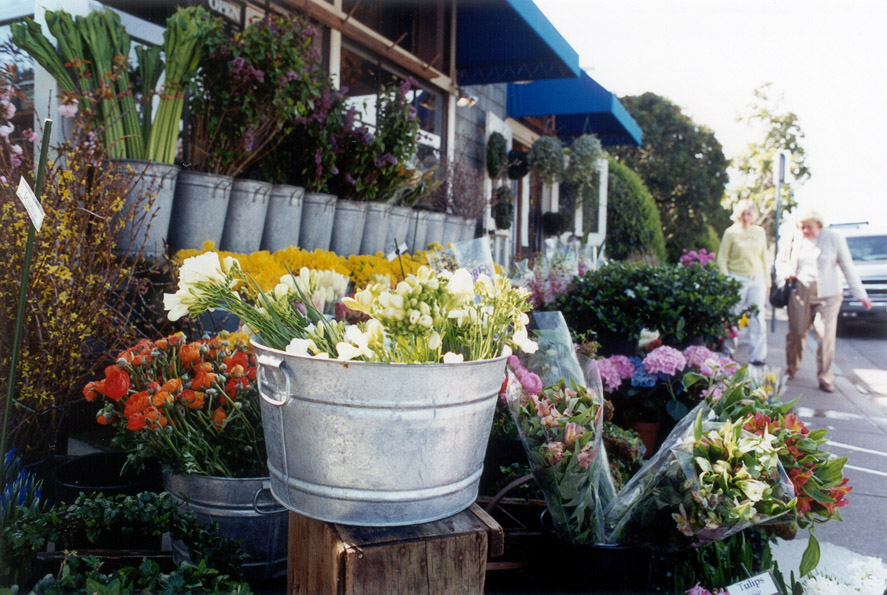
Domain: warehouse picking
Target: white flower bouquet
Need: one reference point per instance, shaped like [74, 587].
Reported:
[427, 318]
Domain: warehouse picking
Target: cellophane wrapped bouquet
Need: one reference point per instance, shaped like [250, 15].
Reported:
[709, 480]
[560, 419]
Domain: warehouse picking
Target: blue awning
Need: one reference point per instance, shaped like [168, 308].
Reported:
[580, 105]
[501, 41]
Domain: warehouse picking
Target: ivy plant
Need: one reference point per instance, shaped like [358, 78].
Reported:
[546, 159]
[497, 155]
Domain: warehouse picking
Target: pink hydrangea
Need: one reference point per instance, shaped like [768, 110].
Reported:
[610, 376]
[666, 360]
[697, 355]
[623, 366]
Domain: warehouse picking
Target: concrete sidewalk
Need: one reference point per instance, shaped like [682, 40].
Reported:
[857, 429]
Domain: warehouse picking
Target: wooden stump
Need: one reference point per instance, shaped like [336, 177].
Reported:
[445, 556]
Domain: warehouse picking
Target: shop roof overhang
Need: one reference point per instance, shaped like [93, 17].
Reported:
[501, 41]
[580, 105]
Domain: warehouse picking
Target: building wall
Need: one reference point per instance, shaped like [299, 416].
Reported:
[471, 122]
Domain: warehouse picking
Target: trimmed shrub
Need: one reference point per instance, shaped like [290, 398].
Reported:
[634, 229]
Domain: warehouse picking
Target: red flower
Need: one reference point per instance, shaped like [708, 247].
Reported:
[172, 386]
[136, 422]
[219, 417]
[161, 398]
[89, 391]
[104, 417]
[203, 380]
[137, 403]
[192, 399]
[799, 477]
[115, 385]
[189, 353]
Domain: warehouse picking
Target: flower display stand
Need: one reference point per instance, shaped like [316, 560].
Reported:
[445, 556]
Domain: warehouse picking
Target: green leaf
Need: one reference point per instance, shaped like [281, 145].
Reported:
[810, 559]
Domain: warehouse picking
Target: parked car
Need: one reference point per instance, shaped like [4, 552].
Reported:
[868, 246]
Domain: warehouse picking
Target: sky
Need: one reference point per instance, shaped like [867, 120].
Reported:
[826, 59]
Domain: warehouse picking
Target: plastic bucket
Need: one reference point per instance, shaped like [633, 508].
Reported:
[101, 472]
[375, 444]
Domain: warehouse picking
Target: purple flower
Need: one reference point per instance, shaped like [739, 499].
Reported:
[665, 360]
[318, 157]
[350, 179]
[609, 375]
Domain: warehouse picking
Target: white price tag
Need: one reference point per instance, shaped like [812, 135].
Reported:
[32, 205]
[400, 250]
[761, 584]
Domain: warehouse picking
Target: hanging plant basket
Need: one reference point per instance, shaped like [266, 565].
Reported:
[503, 207]
[546, 159]
[518, 164]
[497, 154]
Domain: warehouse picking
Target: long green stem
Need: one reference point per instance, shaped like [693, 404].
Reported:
[20, 312]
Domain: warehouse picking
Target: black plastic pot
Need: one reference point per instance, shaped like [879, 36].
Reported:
[101, 472]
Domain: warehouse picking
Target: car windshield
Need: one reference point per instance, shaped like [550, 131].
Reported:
[868, 247]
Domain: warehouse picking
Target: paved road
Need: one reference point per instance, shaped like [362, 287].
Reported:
[856, 419]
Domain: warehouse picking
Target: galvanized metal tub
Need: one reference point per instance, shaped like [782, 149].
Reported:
[375, 444]
[375, 228]
[435, 230]
[284, 217]
[348, 227]
[245, 220]
[198, 209]
[316, 226]
[244, 510]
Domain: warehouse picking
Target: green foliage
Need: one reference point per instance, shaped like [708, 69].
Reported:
[518, 164]
[581, 169]
[723, 563]
[680, 302]
[546, 159]
[757, 164]
[554, 223]
[633, 224]
[503, 207]
[93, 516]
[497, 153]
[683, 166]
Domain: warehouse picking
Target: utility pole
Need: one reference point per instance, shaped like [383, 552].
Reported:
[780, 178]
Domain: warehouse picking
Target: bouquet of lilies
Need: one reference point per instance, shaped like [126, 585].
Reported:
[428, 317]
[191, 406]
[708, 481]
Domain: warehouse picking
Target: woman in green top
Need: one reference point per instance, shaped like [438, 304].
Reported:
[743, 256]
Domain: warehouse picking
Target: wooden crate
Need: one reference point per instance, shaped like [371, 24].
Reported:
[446, 556]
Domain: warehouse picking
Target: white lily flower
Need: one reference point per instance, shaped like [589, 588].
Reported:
[453, 358]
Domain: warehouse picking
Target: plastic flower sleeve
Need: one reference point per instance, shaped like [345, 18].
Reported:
[708, 481]
[473, 255]
[555, 358]
[561, 430]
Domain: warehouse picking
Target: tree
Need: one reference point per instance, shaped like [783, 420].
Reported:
[780, 131]
[683, 166]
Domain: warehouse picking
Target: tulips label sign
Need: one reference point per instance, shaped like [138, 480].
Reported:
[32, 205]
[761, 584]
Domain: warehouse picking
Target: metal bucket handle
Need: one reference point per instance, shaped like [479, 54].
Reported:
[266, 487]
[274, 362]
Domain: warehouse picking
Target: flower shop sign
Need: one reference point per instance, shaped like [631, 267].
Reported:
[761, 584]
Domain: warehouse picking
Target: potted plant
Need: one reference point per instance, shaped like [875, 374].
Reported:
[497, 155]
[583, 154]
[518, 165]
[460, 197]
[447, 334]
[546, 160]
[193, 407]
[503, 207]
[554, 223]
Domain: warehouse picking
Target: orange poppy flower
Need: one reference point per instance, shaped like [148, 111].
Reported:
[203, 367]
[189, 353]
[115, 385]
[202, 380]
[172, 386]
[193, 399]
[103, 417]
[89, 391]
[160, 398]
[219, 417]
[136, 422]
[137, 403]
[154, 418]
[161, 344]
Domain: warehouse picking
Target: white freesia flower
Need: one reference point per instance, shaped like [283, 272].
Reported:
[506, 351]
[229, 263]
[301, 347]
[453, 358]
[460, 284]
[522, 340]
[434, 341]
[356, 344]
[177, 303]
[201, 268]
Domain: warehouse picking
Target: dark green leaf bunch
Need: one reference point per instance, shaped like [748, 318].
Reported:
[497, 155]
[546, 160]
[682, 303]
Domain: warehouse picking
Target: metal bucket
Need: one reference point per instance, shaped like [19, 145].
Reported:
[399, 221]
[244, 510]
[375, 444]
[245, 219]
[199, 209]
[452, 229]
[155, 186]
[434, 231]
[316, 227]
[375, 228]
[284, 217]
[468, 228]
[418, 230]
[348, 227]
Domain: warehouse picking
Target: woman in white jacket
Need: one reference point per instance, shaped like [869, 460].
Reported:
[810, 259]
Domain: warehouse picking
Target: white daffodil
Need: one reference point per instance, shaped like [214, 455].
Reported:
[453, 358]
